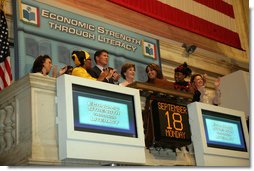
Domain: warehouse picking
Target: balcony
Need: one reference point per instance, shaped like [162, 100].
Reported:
[29, 132]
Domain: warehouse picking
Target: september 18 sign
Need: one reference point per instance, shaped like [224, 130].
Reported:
[171, 124]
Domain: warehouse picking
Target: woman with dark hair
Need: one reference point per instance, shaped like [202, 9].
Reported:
[198, 83]
[153, 73]
[43, 65]
[128, 74]
[181, 72]
[156, 77]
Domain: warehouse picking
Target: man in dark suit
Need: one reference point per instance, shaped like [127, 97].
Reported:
[101, 60]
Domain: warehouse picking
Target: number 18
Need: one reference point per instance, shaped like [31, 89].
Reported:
[179, 126]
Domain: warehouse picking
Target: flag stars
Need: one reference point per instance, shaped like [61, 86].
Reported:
[4, 44]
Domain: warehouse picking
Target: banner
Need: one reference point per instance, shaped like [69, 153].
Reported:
[45, 29]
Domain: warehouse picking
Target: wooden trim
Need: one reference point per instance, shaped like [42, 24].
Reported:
[151, 87]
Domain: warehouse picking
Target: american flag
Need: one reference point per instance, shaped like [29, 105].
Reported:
[5, 64]
[213, 19]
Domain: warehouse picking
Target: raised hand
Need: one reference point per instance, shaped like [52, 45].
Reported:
[116, 76]
[54, 71]
[63, 70]
[217, 83]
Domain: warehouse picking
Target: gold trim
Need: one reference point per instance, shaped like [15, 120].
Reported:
[2, 5]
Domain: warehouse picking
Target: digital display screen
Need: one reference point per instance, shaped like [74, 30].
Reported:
[171, 124]
[223, 131]
[101, 111]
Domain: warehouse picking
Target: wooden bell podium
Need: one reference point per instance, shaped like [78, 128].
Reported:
[165, 114]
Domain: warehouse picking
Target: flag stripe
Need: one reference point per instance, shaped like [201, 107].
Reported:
[2, 75]
[228, 1]
[1, 84]
[203, 12]
[179, 18]
[8, 74]
[220, 6]
[5, 64]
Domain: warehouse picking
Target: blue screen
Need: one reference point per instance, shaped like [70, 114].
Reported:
[223, 131]
[105, 112]
[97, 112]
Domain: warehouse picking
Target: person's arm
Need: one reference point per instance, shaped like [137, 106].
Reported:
[102, 76]
[93, 73]
[217, 97]
[116, 77]
[204, 97]
[110, 75]
[108, 78]
[82, 73]
[61, 71]
[54, 71]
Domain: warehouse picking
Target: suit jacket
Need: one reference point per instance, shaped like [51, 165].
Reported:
[196, 96]
[95, 72]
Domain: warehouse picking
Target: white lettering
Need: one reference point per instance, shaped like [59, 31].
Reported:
[52, 16]
[113, 38]
[71, 30]
[45, 13]
[100, 30]
[117, 35]
[70, 21]
[60, 18]
[117, 43]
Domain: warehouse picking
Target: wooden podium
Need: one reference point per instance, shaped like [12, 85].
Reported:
[165, 115]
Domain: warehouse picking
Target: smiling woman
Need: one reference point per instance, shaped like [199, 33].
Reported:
[43, 64]
[128, 71]
[198, 82]
[155, 76]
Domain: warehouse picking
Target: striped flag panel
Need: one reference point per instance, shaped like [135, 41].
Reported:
[213, 19]
[5, 65]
